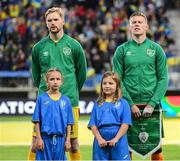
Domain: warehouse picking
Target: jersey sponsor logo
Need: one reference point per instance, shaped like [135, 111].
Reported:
[143, 136]
[45, 53]
[150, 52]
[67, 51]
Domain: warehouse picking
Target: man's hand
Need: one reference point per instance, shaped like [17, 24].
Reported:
[40, 143]
[34, 144]
[67, 145]
[148, 110]
[135, 110]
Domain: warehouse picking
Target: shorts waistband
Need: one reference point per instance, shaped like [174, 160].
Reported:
[112, 126]
[51, 135]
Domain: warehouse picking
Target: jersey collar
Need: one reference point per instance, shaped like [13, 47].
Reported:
[137, 44]
[52, 41]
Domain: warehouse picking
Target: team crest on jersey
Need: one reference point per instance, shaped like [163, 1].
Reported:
[62, 104]
[67, 51]
[143, 136]
[150, 52]
[45, 53]
[117, 105]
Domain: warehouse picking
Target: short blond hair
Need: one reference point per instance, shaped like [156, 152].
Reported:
[138, 13]
[55, 9]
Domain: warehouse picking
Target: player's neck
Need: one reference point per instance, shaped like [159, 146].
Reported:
[56, 36]
[139, 38]
[53, 93]
[109, 97]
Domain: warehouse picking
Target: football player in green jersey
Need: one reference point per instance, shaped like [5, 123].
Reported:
[65, 53]
[141, 65]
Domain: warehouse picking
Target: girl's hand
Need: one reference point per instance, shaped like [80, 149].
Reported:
[112, 142]
[102, 142]
[40, 144]
[67, 145]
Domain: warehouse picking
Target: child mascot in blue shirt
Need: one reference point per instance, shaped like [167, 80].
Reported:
[53, 118]
[110, 120]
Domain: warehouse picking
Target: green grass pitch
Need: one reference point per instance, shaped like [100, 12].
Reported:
[20, 152]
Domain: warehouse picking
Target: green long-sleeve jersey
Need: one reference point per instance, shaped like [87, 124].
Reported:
[68, 56]
[143, 71]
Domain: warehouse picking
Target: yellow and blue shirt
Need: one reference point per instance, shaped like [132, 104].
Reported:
[110, 113]
[53, 115]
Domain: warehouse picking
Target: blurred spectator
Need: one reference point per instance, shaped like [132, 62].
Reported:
[100, 26]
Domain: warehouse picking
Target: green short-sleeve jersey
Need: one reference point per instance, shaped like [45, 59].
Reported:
[143, 71]
[68, 56]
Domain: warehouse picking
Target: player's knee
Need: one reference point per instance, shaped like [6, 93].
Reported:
[74, 145]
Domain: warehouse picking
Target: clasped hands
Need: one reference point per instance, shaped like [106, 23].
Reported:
[102, 142]
[148, 110]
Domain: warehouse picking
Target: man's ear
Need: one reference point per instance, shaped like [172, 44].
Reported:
[128, 28]
[46, 24]
[147, 27]
[63, 22]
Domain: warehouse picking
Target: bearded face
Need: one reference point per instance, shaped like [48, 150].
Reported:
[54, 22]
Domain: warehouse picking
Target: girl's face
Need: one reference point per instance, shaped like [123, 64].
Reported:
[109, 86]
[54, 80]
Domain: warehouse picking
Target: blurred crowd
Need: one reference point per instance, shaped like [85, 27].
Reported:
[100, 26]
